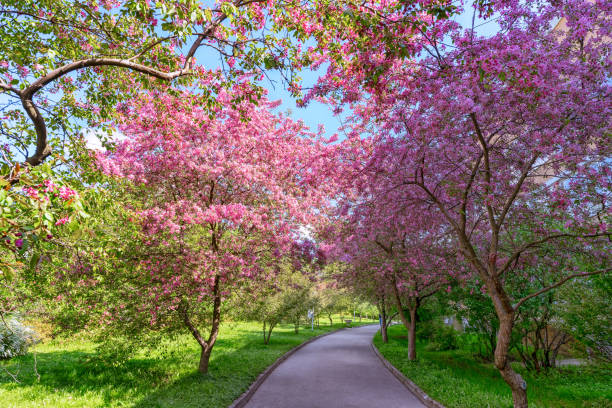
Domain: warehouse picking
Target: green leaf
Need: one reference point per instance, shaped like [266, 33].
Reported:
[34, 261]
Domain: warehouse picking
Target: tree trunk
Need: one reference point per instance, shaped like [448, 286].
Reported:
[267, 338]
[204, 359]
[214, 330]
[383, 323]
[264, 332]
[412, 335]
[410, 325]
[384, 334]
[513, 379]
[390, 319]
[331, 322]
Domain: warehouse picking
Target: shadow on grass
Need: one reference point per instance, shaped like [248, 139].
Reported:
[458, 380]
[72, 373]
[230, 373]
[158, 378]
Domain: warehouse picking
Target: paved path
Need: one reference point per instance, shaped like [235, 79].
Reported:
[336, 371]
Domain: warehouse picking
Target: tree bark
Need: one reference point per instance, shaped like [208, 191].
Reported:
[513, 379]
[412, 335]
[383, 323]
[214, 330]
[204, 359]
[268, 333]
[410, 325]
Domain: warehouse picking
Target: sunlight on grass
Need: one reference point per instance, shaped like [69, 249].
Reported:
[164, 377]
[457, 380]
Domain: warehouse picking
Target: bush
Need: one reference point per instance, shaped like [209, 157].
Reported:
[426, 330]
[15, 338]
[442, 338]
[114, 351]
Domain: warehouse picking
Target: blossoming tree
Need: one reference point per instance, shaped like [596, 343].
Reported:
[223, 194]
[396, 254]
[64, 64]
[506, 139]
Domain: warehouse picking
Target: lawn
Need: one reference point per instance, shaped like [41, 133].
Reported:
[164, 377]
[457, 380]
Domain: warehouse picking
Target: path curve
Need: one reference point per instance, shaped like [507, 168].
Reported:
[336, 371]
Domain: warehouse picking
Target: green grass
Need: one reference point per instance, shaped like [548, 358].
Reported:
[457, 380]
[164, 377]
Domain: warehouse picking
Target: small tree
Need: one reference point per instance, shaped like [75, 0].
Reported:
[285, 295]
[331, 300]
[220, 194]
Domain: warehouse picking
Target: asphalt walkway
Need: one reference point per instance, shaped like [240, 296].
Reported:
[337, 371]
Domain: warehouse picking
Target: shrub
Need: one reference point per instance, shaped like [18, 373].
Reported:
[15, 338]
[442, 338]
[426, 330]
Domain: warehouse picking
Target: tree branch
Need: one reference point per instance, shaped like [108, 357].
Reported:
[7, 87]
[516, 190]
[466, 192]
[532, 244]
[561, 282]
[42, 147]
[487, 164]
[194, 331]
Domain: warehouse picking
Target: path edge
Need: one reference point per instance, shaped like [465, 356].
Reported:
[246, 396]
[412, 387]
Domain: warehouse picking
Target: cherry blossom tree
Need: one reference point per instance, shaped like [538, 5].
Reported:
[505, 139]
[223, 194]
[64, 64]
[404, 261]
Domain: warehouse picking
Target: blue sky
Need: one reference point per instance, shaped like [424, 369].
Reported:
[317, 113]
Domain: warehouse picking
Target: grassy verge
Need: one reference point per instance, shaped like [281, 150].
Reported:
[457, 380]
[164, 377]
